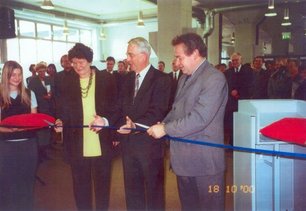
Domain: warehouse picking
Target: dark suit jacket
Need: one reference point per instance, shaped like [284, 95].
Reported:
[72, 112]
[173, 86]
[149, 106]
[44, 105]
[242, 82]
[60, 81]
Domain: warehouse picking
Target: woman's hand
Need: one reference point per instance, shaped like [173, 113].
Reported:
[58, 126]
[97, 124]
[124, 128]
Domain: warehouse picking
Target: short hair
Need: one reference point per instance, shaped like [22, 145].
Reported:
[142, 44]
[110, 58]
[41, 65]
[52, 66]
[162, 62]
[192, 42]
[80, 51]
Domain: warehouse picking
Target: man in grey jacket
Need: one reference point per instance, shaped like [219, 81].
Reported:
[197, 114]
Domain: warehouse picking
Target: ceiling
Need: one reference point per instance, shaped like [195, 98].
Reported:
[107, 11]
[117, 11]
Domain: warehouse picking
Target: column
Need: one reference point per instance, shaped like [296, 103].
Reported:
[173, 17]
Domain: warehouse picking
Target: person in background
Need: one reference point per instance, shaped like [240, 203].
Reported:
[279, 85]
[197, 114]
[18, 147]
[221, 67]
[260, 78]
[300, 93]
[88, 94]
[60, 80]
[51, 70]
[161, 66]
[110, 63]
[240, 86]
[296, 78]
[33, 72]
[43, 88]
[175, 75]
[145, 100]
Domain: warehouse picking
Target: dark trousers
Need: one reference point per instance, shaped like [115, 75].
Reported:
[144, 182]
[18, 163]
[202, 193]
[91, 174]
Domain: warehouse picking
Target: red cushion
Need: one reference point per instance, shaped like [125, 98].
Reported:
[30, 121]
[287, 129]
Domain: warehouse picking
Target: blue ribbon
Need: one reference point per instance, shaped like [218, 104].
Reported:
[197, 142]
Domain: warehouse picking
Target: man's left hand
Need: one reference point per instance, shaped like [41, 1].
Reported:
[157, 131]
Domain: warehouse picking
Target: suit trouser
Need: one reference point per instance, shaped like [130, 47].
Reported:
[144, 182]
[198, 193]
[91, 174]
[18, 164]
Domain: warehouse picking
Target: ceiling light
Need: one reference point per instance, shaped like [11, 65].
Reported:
[102, 34]
[286, 23]
[271, 12]
[271, 4]
[140, 22]
[233, 38]
[47, 5]
[286, 14]
[65, 28]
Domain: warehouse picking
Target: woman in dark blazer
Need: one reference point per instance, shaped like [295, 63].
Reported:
[88, 93]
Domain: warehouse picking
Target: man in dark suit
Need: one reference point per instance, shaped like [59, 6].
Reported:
[175, 76]
[240, 86]
[145, 100]
[197, 114]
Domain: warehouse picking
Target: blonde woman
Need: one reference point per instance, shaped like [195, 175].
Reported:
[18, 147]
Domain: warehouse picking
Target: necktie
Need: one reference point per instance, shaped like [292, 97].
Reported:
[175, 78]
[136, 85]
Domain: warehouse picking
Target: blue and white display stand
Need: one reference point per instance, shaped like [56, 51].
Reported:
[266, 182]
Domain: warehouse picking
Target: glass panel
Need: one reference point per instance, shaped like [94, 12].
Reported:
[58, 33]
[26, 28]
[43, 31]
[86, 37]
[13, 49]
[44, 51]
[73, 35]
[59, 49]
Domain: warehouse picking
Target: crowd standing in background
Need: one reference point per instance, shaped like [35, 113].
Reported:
[193, 101]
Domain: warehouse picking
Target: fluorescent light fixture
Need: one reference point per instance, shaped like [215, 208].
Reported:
[286, 14]
[102, 34]
[271, 12]
[65, 28]
[233, 38]
[140, 22]
[286, 23]
[47, 5]
[271, 4]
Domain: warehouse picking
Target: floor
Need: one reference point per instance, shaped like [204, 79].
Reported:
[53, 190]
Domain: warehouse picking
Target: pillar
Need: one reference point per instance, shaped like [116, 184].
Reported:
[173, 17]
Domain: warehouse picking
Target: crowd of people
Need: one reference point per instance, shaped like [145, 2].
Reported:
[145, 104]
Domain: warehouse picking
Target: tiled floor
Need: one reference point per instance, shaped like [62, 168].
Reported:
[57, 195]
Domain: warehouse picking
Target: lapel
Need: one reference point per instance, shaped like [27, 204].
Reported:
[184, 86]
[146, 84]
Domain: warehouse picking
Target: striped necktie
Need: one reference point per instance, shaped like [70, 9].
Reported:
[136, 85]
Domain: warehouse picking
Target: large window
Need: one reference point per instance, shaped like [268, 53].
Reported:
[46, 42]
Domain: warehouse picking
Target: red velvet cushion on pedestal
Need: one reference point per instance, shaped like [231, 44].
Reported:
[28, 121]
[291, 130]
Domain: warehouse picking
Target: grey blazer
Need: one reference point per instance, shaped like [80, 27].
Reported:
[197, 114]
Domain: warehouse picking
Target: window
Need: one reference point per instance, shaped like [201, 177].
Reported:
[27, 28]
